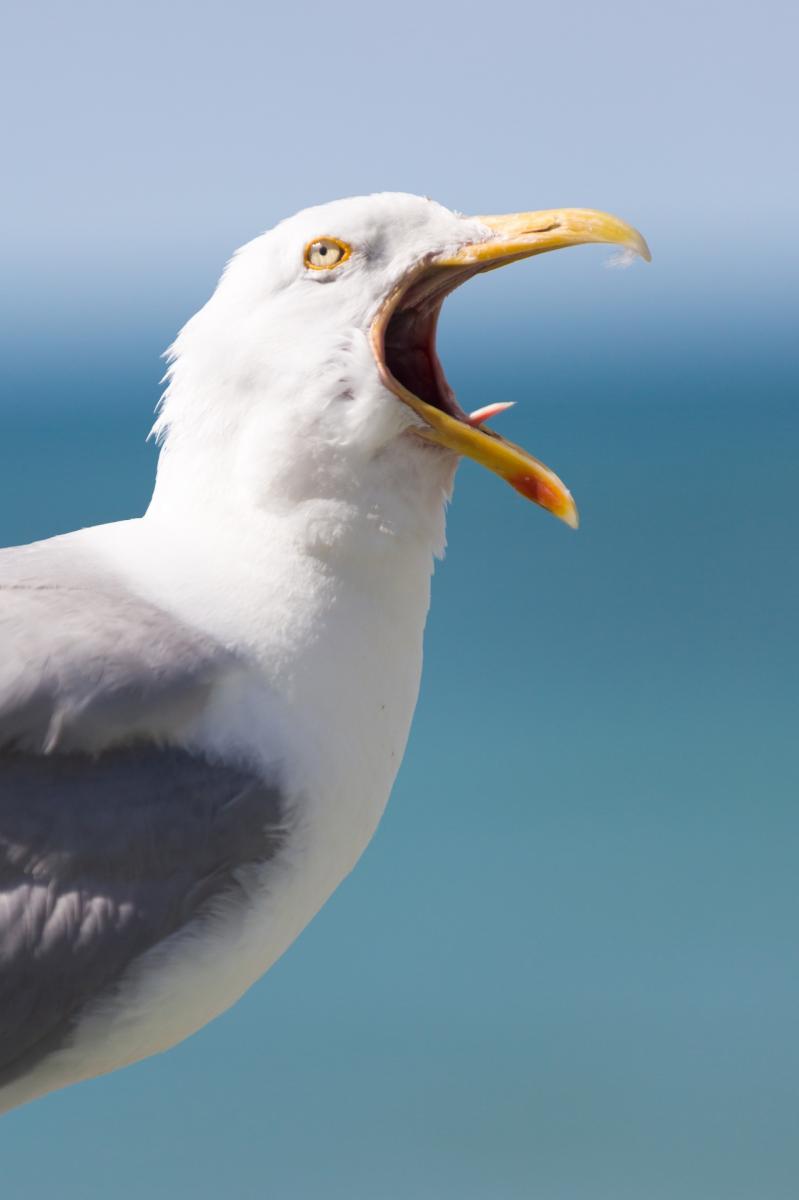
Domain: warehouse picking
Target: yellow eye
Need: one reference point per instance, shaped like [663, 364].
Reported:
[324, 253]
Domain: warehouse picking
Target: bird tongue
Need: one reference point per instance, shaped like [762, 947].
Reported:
[488, 411]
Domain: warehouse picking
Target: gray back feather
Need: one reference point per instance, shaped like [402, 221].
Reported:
[111, 839]
[84, 662]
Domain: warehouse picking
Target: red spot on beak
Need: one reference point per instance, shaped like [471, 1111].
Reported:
[536, 490]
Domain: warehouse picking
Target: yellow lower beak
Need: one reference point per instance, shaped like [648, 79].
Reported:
[518, 468]
[513, 237]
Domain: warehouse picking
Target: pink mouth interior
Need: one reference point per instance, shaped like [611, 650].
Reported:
[410, 339]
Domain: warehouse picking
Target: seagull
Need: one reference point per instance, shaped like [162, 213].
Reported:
[203, 709]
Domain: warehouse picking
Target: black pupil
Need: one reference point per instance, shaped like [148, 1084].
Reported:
[323, 250]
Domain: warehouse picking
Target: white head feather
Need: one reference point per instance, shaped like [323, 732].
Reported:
[274, 394]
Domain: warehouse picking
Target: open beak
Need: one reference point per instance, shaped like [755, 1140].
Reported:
[403, 339]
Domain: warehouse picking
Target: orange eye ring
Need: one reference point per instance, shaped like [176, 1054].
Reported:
[325, 253]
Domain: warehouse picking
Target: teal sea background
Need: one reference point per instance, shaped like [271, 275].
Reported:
[567, 968]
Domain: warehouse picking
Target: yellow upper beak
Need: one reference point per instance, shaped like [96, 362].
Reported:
[520, 235]
[513, 237]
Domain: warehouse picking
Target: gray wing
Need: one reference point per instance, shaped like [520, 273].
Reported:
[111, 839]
[84, 662]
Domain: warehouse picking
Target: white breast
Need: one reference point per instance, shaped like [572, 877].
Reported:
[333, 646]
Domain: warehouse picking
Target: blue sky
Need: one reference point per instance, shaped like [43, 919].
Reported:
[147, 137]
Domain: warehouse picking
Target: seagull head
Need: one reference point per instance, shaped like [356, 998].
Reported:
[313, 368]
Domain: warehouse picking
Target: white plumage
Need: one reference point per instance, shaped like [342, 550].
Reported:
[296, 517]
